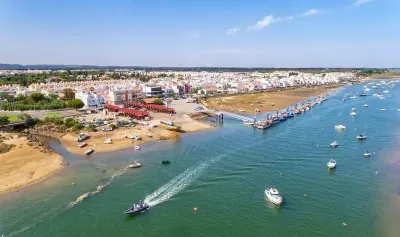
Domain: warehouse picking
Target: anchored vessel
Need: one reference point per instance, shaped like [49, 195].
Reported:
[273, 195]
[332, 164]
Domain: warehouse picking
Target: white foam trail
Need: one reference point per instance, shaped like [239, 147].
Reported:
[178, 183]
[99, 189]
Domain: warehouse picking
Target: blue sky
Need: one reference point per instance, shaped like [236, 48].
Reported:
[250, 33]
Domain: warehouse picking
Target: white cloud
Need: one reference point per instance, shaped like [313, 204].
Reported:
[268, 20]
[233, 31]
[311, 12]
[359, 2]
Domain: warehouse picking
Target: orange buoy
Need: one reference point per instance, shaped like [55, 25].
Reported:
[195, 209]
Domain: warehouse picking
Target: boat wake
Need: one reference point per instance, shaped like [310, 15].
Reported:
[99, 189]
[178, 183]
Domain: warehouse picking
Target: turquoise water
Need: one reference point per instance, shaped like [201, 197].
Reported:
[224, 172]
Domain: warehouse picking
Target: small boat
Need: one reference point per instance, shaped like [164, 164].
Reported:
[137, 208]
[165, 162]
[334, 144]
[129, 136]
[353, 97]
[82, 144]
[81, 137]
[137, 137]
[353, 109]
[383, 109]
[331, 164]
[248, 122]
[375, 87]
[367, 154]
[385, 91]
[242, 110]
[273, 195]
[343, 99]
[89, 151]
[340, 127]
[398, 109]
[365, 105]
[135, 164]
[148, 134]
[361, 137]
[290, 115]
[353, 114]
[367, 89]
[107, 140]
[363, 94]
[137, 148]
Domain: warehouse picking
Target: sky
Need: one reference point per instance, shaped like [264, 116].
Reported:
[201, 33]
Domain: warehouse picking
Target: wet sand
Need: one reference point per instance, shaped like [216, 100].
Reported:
[266, 101]
[26, 164]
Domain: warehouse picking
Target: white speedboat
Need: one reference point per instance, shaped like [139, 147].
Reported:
[107, 140]
[248, 122]
[137, 148]
[365, 105]
[340, 127]
[361, 137]
[334, 144]
[273, 195]
[367, 154]
[135, 164]
[353, 113]
[353, 97]
[331, 164]
[353, 109]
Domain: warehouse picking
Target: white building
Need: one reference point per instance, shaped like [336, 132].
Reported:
[152, 90]
[91, 99]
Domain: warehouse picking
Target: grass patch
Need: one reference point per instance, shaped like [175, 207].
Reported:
[12, 118]
[52, 114]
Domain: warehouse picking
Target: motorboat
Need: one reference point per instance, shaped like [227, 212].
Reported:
[137, 208]
[331, 164]
[367, 154]
[340, 127]
[135, 164]
[353, 109]
[398, 109]
[334, 144]
[343, 99]
[361, 137]
[385, 91]
[365, 105]
[81, 137]
[148, 134]
[107, 140]
[353, 97]
[383, 109]
[137, 137]
[290, 115]
[82, 144]
[248, 122]
[367, 89]
[263, 126]
[353, 113]
[375, 87]
[129, 136]
[89, 151]
[273, 195]
[165, 162]
[363, 94]
[137, 148]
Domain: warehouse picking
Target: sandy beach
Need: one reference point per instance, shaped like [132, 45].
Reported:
[266, 101]
[26, 163]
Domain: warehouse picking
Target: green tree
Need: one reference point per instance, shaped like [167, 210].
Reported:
[21, 97]
[76, 104]
[113, 126]
[69, 122]
[6, 96]
[91, 128]
[158, 101]
[53, 96]
[35, 98]
[78, 126]
[4, 120]
[69, 94]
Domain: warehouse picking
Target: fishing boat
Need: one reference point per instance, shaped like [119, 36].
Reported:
[340, 127]
[263, 125]
[248, 122]
[334, 144]
[165, 162]
[331, 164]
[135, 164]
[107, 140]
[81, 137]
[353, 113]
[367, 154]
[148, 134]
[361, 137]
[273, 196]
[137, 148]
[365, 105]
[137, 208]
[82, 144]
[89, 151]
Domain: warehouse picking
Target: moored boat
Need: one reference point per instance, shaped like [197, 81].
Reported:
[361, 137]
[334, 144]
[331, 164]
[81, 137]
[148, 134]
[353, 114]
[248, 122]
[165, 162]
[82, 144]
[89, 151]
[365, 105]
[290, 115]
[367, 154]
[340, 127]
[273, 196]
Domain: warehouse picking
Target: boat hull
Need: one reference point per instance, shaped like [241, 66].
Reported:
[132, 211]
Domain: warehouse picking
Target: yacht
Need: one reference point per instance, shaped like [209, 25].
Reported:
[361, 137]
[353, 113]
[273, 195]
[331, 164]
[367, 154]
[340, 127]
[334, 144]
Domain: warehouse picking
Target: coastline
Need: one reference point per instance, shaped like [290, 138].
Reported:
[27, 163]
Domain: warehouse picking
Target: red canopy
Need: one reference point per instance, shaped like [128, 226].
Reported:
[112, 108]
[134, 113]
[152, 107]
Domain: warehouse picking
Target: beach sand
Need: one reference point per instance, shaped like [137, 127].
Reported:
[264, 100]
[26, 164]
